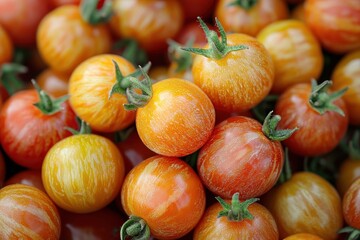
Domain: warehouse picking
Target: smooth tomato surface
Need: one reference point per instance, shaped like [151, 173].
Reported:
[53, 83]
[6, 47]
[27, 177]
[351, 203]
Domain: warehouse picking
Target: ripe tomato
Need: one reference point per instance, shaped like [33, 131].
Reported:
[351, 203]
[288, 41]
[58, 3]
[347, 73]
[27, 177]
[89, 88]
[6, 47]
[348, 172]
[167, 194]
[335, 23]
[2, 170]
[27, 213]
[195, 8]
[150, 22]
[27, 133]
[305, 203]
[177, 120]
[83, 173]
[65, 40]
[238, 18]
[20, 22]
[55, 84]
[303, 236]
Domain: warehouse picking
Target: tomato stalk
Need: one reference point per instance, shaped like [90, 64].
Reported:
[246, 4]
[84, 129]
[269, 128]
[136, 228]
[92, 14]
[353, 232]
[182, 59]
[131, 51]
[322, 101]
[217, 49]
[9, 78]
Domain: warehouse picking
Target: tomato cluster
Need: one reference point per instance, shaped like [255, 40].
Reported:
[179, 119]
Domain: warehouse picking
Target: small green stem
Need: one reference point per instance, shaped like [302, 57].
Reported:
[93, 15]
[354, 234]
[246, 4]
[131, 51]
[286, 171]
[269, 128]
[9, 79]
[122, 135]
[84, 129]
[182, 59]
[135, 228]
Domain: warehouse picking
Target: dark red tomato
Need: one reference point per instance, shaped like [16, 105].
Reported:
[198, 8]
[57, 3]
[2, 170]
[26, 133]
[351, 203]
[192, 31]
[27, 177]
[21, 18]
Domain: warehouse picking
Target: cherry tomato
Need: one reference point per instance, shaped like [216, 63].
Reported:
[191, 31]
[65, 40]
[249, 19]
[83, 173]
[288, 41]
[6, 47]
[305, 203]
[2, 169]
[303, 236]
[27, 177]
[167, 194]
[27, 213]
[335, 23]
[55, 84]
[351, 203]
[347, 73]
[349, 171]
[195, 8]
[58, 3]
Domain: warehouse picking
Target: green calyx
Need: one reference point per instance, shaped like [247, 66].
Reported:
[128, 85]
[122, 135]
[9, 79]
[47, 105]
[131, 51]
[354, 234]
[354, 146]
[135, 228]
[321, 100]
[270, 131]
[286, 170]
[245, 4]
[183, 59]
[93, 15]
[84, 128]
[217, 48]
[236, 211]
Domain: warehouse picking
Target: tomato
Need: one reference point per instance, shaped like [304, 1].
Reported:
[20, 22]
[251, 19]
[158, 73]
[288, 41]
[65, 40]
[303, 236]
[347, 73]
[177, 112]
[6, 47]
[305, 203]
[315, 135]
[348, 172]
[55, 84]
[58, 3]
[27, 177]
[27, 132]
[2, 170]
[150, 22]
[335, 23]
[195, 8]
[166, 193]
[191, 31]
[27, 213]
[89, 88]
[351, 203]
[83, 173]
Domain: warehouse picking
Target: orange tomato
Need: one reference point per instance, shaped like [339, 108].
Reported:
[348, 172]
[351, 203]
[89, 88]
[303, 236]
[296, 53]
[53, 83]
[27, 213]
[27, 177]
[6, 47]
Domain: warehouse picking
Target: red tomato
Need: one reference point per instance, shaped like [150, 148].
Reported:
[58, 3]
[351, 203]
[27, 177]
[21, 19]
[55, 84]
[335, 23]
[27, 133]
[2, 170]
[303, 236]
[65, 40]
[83, 173]
[194, 8]
[6, 47]
[27, 213]
[167, 194]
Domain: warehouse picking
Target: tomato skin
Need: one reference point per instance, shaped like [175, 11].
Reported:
[305, 203]
[239, 20]
[6, 47]
[348, 172]
[194, 8]
[27, 139]
[335, 23]
[58, 3]
[303, 236]
[177, 120]
[65, 40]
[315, 135]
[347, 73]
[27, 177]
[288, 41]
[164, 191]
[263, 226]
[83, 162]
[240, 80]
[89, 88]
[53, 83]
[351, 203]
[27, 213]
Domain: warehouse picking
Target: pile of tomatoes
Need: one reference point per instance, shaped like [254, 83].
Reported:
[180, 119]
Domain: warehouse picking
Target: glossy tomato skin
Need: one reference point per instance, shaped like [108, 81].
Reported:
[177, 120]
[347, 73]
[240, 80]
[83, 173]
[239, 20]
[6, 47]
[351, 203]
[316, 136]
[89, 88]
[303, 236]
[53, 83]
[21, 23]
[305, 203]
[335, 23]
[27, 213]
[288, 41]
[27, 177]
[238, 157]
[27, 139]
[65, 40]
[263, 226]
[167, 194]
[150, 22]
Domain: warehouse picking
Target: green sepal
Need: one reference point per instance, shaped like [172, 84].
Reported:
[9, 79]
[131, 51]
[135, 228]
[84, 128]
[92, 14]
[269, 128]
[354, 146]
[183, 59]
[245, 4]
[354, 234]
[286, 172]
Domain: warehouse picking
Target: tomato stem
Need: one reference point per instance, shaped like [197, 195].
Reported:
[122, 135]
[354, 146]
[236, 211]
[131, 51]
[286, 170]
[135, 228]
[269, 128]
[84, 129]
[9, 78]
[182, 59]
[217, 49]
[246, 4]
[353, 232]
[93, 15]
